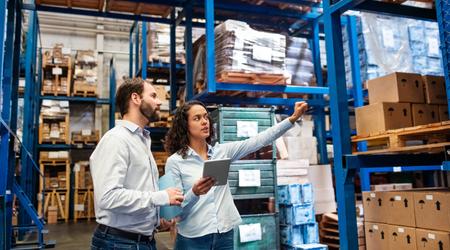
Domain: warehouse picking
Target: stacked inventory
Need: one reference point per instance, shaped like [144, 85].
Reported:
[412, 219]
[83, 192]
[251, 181]
[56, 71]
[55, 186]
[401, 100]
[298, 61]
[54, 122]
[299, 228]
[85, 75]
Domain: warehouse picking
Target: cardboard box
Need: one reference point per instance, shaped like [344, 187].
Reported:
[432, 209]
[374, 207]
[52, 215]
[376, 236]
[431, 240]
[399, 208]
[376, 118]
[435, 92]
[443, 113]
[424, 114]
[397, 87]
[400, 237]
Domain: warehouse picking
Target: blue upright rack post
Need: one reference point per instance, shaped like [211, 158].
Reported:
[144, 51]
[112, 93]
[189, 68]
[443, 17]
[173, 69]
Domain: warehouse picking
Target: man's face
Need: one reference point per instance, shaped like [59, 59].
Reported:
[150, 103]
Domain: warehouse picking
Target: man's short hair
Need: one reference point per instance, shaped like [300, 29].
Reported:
[125, 90]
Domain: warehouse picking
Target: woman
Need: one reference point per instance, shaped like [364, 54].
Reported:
[208, 218]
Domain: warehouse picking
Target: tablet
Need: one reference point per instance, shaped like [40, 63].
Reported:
[217, 169]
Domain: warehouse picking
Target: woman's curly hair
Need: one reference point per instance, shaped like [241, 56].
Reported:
[177, 139]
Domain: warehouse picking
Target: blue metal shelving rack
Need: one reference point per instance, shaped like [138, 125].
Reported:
[346, 165]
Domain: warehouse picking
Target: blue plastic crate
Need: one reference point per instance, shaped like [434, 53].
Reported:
[292, 235]
[299, 214]
[307, 193]
[289, 194]
[310, 233]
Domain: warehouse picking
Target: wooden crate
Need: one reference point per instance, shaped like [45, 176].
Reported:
[83, 205]
[55, 199]
[267, 174]
[79, 138]
[56, 79]
[83, 178]
[269, 231]
[138, 8]
[254, 78]
[426, 138]
[62, 138]
[85, 4]
[81, 88]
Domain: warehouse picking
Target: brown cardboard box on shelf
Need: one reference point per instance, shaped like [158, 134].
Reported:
[52, 215]
[376, 236]
[379, 117]
[435, 92]
[431, 240]
[443, 113]
[374, 206]
[399, 208]
[396, 87]
[433, 209]
[424, 114]
[401, 237]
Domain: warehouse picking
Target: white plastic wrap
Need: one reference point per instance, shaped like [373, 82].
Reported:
[298, 61]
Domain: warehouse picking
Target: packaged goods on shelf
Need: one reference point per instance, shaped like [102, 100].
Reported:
[86, 57]
[54, 108]
[298, 61]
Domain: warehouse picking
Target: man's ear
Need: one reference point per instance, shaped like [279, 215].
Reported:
[135, 98]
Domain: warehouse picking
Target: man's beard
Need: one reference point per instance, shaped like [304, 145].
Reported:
[148, 112]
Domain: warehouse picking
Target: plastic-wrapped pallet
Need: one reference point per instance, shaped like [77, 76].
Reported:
[298, 61]
[241, 48]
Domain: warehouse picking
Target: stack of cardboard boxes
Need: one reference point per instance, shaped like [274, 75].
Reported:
[85, 76]
[402, 100]
[412, 219]
[57, 71]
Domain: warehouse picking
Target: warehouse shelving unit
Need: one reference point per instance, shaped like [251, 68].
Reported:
[346, 165]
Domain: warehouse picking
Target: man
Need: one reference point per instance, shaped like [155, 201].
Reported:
[125, 175]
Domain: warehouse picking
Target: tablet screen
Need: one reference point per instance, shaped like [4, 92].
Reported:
[217, 169]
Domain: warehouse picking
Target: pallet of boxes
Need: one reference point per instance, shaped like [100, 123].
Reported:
[54, 122]
[83, 192]
[416, 219]
[305, 189]
[56, 71]
[85, 74]
[406, 113]
[54, 187]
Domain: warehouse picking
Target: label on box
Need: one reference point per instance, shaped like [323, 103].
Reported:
[63, 197]
[66, 51]
[54, 134]
[76, 167]
[375, 227]
[250, 232]
[401, 230]
[90, 79]
[261, 53]
[63, 154]
[53, 155]
[373, 195]
[39, 197]
[86, 132]
[249, 178]
[433, 46]
[57, 71]
[247, 128]
[388, 38]
[21, 82]
[163, 39]
[429, 197]
[64, 104]
[397, 169]
[431, 236]
[79, 207]
[398, 198]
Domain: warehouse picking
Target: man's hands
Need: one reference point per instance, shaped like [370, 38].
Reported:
[299, 109]
[175, 196]
[203, 185]
[165, 224]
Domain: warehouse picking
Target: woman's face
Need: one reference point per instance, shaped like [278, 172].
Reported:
[198, 122]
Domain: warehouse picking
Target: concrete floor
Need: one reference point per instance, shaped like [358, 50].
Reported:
[77, 236]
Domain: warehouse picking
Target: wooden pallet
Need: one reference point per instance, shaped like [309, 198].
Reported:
[55, 199]
[63, 140]
[78, 138]
[430, 138]
[84, 89]
[85, 4]
[83, 205]
[54, 93]
[254, 78]
[138, 8]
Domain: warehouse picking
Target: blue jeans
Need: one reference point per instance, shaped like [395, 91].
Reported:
[216, 241]
[105, 241]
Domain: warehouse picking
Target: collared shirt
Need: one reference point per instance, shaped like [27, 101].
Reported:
[215, 211]
[125, 176]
